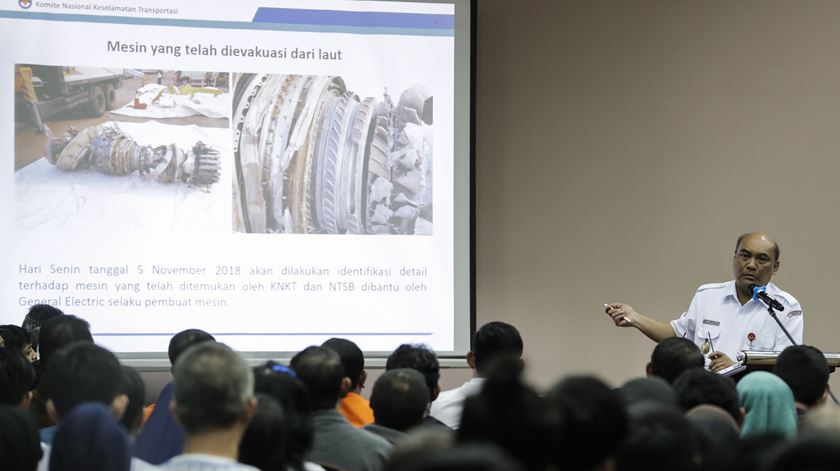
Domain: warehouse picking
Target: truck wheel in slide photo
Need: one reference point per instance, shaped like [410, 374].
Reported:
[96, 104]
[110, 96]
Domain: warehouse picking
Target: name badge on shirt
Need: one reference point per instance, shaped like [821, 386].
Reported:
[714, 323]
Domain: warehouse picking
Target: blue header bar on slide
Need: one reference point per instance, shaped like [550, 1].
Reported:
[365, 19]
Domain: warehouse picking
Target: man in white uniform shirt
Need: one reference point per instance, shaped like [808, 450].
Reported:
[724, 318]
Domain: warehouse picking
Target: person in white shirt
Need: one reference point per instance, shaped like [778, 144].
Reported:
[492, 340]
[726, 318]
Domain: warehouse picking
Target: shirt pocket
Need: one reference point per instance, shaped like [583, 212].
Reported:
[708, 335]
[764, 340]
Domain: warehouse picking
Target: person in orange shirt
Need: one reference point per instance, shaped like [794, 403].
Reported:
[355, 408]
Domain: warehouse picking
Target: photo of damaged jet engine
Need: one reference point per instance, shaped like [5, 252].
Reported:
[312, 157]
[110, 151]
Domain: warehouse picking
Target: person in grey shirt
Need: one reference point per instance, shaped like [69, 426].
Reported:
[337, 444]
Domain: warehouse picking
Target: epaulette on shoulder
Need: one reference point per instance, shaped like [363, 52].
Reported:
[709, 286]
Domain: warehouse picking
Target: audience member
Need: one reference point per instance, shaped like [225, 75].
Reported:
[35, 318]
[805, 370]
[162, 437]
[56, 333]
[214, 402]
[82, 372]
[20, 445]
[753, 452]
[809, 452]
[698, 386]
[658, 438]
[337, 443]
[493, 340]
[264, 444]
[650, 389]
[417, 446]
[769, 405]
[355, 408]
[717, 436]
[508, 414]
[17, 338]
[423, 359]
[470, 457]
[672, 356]
[399, 400]
[281, 383]
[591, 422]
[90, 438]
[16, 378]
[135, 389]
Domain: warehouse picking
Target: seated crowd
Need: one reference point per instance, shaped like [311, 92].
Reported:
[68, 404]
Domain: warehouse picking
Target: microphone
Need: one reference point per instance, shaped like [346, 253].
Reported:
[759, 292]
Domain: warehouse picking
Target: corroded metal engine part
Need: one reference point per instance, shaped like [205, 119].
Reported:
[312, 156]
[107, 149]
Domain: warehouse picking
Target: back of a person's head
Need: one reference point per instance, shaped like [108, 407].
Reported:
[17, 377]
[281, 384]
[263, 445]
[659, 439]
[768, 404]
[185, 339]
[590, 420]
[808, 452]
[805, 370]
[20, 444]
[352, 358]
[59, 332]
[495, 339]
[509, 414]
[650, 389]
[135, 389]
[320, 370]
[15, 337]
[419, 358]
[399, 399]
[37, 315]
[464, 457]
[698, 386]
[717, 434]
[213, 385]
[90, 438]
[82, 372]
[674, 355]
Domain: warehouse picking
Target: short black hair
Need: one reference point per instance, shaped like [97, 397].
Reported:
[20, 444]
[59, 332]
[15, 337]
[320, 370]
[495, 339]
[17, 377]
[352, 358]
[133, 387]
[263, 443]
[399, 399]
[776, 250]
[674, 355]
[82, 372]
[420, 358]
[591, 421]
[212, 386]
[37, 315]
[805, 370]
[184, 340]
[659, 438]
[697, 386]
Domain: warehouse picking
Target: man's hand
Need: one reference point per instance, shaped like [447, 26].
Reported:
[719, 361]
[622, 315]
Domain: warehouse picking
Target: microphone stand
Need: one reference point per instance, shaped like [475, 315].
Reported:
[793, 342]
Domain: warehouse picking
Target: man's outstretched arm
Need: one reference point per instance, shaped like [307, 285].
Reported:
[623, 315]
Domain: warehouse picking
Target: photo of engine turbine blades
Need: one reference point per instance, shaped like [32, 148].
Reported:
[313, 157]
[121, 149]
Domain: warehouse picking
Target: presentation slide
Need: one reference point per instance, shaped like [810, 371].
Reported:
[273, 172]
